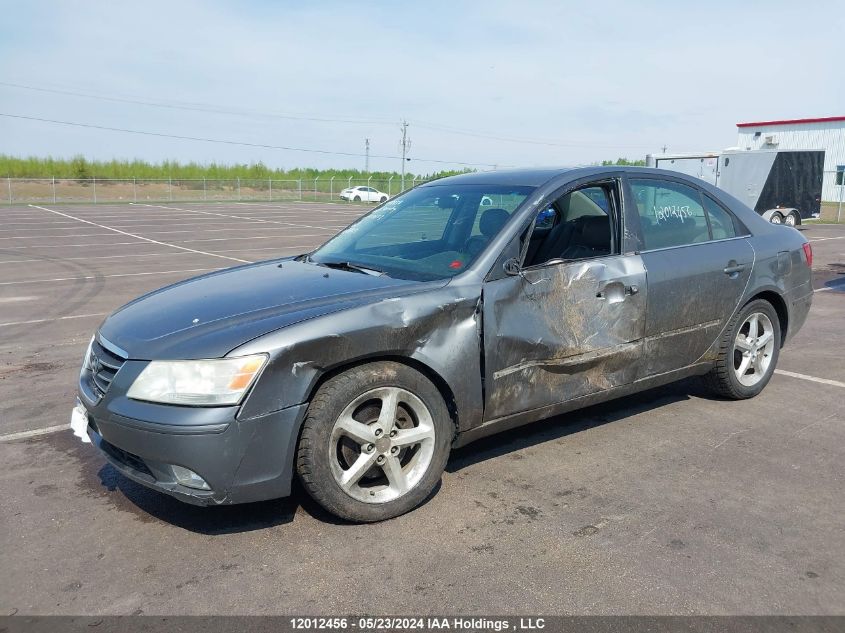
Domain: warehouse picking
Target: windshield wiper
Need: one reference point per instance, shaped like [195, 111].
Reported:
[358, 268]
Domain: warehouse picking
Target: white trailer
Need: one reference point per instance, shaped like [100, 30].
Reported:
[783, 186]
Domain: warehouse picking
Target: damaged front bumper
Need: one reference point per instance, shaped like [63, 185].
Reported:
[234, 460]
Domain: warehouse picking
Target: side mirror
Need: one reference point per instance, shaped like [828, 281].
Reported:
[511, 266]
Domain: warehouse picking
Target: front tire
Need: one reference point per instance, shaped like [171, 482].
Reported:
[374, 443]
[748, 352]
[357, 199]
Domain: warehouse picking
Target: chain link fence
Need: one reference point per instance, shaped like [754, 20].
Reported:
[100, 191]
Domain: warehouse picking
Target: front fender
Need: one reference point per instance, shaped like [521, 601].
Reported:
[440, 329]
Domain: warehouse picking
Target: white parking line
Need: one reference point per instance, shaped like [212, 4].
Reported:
[140, 237]
[158, 272]
[97, 244]
[259, 237]
[824, 381]
[832, 286]
[38, 237]
[22, 435]
[237, 217]
[824, 239]
[90, 257]
[73, 316]
[17, 299]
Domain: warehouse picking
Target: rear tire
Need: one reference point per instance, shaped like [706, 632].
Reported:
[748, 352]
[383, 199]
[374, 443]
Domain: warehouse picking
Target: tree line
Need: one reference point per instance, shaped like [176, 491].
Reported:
[81, 168]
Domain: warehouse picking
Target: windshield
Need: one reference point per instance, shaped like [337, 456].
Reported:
[431, 232]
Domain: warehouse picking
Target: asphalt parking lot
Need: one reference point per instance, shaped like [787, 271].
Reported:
[668, 502]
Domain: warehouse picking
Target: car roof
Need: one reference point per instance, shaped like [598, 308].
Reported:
[536, 177]
[527, 177]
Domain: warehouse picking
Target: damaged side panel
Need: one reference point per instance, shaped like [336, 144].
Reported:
[437, 329]
[562, 331]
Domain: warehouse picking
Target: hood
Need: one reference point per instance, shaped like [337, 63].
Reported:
[208, 316]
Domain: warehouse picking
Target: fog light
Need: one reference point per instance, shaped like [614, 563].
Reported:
[189, 478]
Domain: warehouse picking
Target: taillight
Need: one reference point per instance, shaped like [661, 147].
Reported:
[808, 253]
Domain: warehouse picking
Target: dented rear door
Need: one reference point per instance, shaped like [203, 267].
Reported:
[561, 331]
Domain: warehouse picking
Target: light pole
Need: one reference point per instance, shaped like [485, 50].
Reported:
[405, 146]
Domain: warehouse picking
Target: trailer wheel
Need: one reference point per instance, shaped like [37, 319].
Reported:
[791, 219]
[776, 218]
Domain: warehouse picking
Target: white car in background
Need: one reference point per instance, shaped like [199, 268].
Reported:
[363, 194]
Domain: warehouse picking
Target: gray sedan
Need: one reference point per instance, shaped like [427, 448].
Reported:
[463, 307]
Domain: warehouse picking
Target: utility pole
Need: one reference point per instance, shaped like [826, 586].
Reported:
[665, 147]
[405, 147]
[367, 154]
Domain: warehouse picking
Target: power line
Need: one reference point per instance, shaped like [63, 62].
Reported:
[527, 141]
[231, 142]
[213, 109]
[200, 107]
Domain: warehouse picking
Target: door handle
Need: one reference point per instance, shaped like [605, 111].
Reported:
[614, 293]
[736, 268]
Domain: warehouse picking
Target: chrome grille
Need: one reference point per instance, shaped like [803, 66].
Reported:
[104, 364]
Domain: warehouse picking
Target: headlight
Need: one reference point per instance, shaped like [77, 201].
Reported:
[86, 360]
[221, 381]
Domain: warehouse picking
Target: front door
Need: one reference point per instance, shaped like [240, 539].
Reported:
[571, 323]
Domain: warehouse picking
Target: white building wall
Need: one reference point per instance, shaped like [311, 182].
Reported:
[829, 136]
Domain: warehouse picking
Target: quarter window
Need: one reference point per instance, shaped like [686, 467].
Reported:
[721, 222]
[671, 214]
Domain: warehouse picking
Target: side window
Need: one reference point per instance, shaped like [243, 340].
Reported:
[578, 225]
[670, 213]
[721, 222]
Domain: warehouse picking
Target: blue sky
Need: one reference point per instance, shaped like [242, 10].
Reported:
[476, 80]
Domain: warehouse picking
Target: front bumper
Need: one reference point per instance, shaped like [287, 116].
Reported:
[241, 460]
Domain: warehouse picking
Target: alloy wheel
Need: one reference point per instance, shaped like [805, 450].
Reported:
[381, 445]
[753, 348]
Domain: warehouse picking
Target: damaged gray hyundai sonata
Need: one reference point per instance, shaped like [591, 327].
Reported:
[434, 320]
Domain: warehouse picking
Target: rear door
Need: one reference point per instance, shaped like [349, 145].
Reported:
[698, 265]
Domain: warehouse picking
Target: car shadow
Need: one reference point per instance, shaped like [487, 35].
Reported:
[149, 505]
[560, 426]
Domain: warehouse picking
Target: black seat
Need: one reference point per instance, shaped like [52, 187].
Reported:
[554, 243]
[491, 222]
[590, 239]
